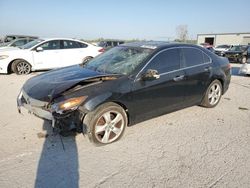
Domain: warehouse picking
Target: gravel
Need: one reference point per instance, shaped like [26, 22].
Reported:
[193, 147]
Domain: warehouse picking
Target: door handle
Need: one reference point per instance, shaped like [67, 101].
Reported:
[178, 78]
[207, 69]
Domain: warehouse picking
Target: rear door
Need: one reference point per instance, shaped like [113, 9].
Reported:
[156, 97]
[198, 67]
[49, 57]
[73, 52]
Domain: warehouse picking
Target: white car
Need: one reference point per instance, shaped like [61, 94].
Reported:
[42, 54]
[222, 48]
[245, 68]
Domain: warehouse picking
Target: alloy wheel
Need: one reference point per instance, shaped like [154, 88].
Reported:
[214, 94]
[23, 68]
[109, 126]
[244, 60]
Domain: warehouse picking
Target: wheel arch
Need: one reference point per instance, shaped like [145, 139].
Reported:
[9, 68]
[100, 100]
[124, 108]
[221, 81]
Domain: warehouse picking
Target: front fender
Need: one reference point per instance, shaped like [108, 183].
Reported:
[91, 104]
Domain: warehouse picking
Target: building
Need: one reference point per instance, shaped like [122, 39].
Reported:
[224, 38]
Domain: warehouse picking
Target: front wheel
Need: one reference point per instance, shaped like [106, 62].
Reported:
[213, 94]
[21, 67]
[106, 124]
[244, 60]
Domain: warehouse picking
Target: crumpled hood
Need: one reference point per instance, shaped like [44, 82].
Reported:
[48, 85]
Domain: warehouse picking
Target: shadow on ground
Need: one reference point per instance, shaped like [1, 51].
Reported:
[58, 164]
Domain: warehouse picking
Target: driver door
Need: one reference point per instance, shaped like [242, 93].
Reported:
[164, 94]
[47, 55]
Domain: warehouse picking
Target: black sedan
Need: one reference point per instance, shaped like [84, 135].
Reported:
[125, 85]
[237, 54]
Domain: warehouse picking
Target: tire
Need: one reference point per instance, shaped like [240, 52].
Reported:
[244, 60]
[101, 125]
[21, 67]
[212, 95]
[86, 59]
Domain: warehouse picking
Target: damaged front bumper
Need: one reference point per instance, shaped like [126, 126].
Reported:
[40, 109]
[34, 106]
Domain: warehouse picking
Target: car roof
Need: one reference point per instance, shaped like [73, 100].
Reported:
[57, 38]
[23, 36]
[48, 39]
[157, 44]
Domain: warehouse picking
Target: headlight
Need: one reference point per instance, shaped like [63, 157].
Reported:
[69, 104]
[3, 57]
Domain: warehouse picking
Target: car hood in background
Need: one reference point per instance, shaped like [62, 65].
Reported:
[7, 48]
[233, 52]
[51, 84]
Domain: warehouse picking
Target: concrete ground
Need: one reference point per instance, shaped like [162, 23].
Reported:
[194, 147]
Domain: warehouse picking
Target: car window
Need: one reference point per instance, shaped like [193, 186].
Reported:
[69, 44]
[206, 59]
[235, 48]
[19, 43]
[166, 61]
[223, 46]
[192, 57]
[51, 45]
[82, 45]
[248, 50]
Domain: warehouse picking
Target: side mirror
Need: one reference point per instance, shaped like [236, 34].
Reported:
[150, 75]
[39, 49]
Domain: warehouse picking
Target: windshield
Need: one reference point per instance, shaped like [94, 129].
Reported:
[31, 44]
[235, 48]
[223, 46]
[119, 60]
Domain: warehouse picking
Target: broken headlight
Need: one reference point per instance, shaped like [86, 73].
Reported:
[69, 104]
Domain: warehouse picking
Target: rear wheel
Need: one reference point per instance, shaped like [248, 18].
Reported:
[213, 94]
[244, 60]
[106, 124]
[21, 67]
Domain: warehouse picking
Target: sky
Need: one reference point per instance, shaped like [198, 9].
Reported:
[127, 19]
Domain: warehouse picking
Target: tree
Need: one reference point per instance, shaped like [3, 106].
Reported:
[182, 33]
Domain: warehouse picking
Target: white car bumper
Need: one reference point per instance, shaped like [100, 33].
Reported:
[245, 69]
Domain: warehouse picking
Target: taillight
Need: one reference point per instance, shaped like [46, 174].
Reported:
[229, 66]
[101, 50]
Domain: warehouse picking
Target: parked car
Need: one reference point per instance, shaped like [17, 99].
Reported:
[125, 85]
[219, 50]
[9, 38]
[237, 54]
[245, 68]
[42, 54]
[15, 43]
[107, 44]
